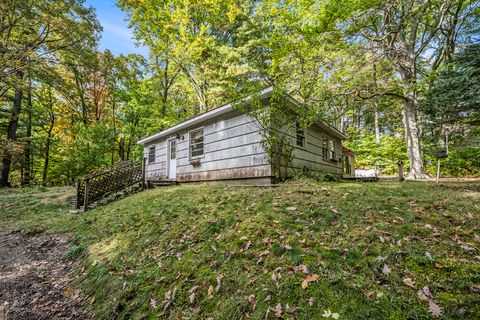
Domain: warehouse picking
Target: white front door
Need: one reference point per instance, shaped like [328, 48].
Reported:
[172, 159]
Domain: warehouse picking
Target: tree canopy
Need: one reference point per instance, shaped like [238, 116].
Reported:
[381, 71]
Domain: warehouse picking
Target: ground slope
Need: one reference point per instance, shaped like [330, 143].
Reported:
[299, 250]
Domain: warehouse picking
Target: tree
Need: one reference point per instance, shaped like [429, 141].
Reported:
[31, 33]
[453, 97]
[416, 36]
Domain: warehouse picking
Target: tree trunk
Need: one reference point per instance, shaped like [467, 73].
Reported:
[412, 138]
[47, 156]
[375, 104]
[121, 149]
[28, 145]
[11, 137]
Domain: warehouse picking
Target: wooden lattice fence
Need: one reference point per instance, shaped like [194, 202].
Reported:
[107, 181]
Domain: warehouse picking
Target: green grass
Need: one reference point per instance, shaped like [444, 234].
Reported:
[241, 249]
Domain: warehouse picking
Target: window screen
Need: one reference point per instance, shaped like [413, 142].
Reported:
[173, 149]
[151, 154]
[300, 135]
[196, 143]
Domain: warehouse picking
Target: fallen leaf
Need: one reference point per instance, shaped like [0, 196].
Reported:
[278, 311]
[219, 282]
[428, 255]
[253, 301]
[192, 297]
[310, 301]
[475, 288]
[303, 268]
[268, 298]
[289, 309]
[210, 292]
[153, 303]
[409, 282]
[328, 314]
[466, 247]
[434, 309]
[386, 269]
[308, 279]
[424, 294]
[292, 208]
[382, 239]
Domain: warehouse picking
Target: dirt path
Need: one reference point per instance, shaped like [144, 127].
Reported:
[34, 279]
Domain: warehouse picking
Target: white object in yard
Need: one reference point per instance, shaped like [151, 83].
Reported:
[366, 173]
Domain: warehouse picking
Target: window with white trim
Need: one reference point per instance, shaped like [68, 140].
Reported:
[196, 143]
[151, 154]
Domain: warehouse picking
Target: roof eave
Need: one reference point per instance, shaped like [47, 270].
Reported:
[265, 93]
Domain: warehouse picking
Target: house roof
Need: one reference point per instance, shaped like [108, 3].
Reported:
[265, 93]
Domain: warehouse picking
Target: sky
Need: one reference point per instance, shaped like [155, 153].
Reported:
[116, 35]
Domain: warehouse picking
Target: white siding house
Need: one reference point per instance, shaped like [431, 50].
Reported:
[225, 144]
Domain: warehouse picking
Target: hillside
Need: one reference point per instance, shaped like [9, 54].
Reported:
[296, 251]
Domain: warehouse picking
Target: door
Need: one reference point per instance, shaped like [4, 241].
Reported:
[172, 159]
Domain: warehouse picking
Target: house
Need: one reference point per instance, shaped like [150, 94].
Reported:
[226, 144]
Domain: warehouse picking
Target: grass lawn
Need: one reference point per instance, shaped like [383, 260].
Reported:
[384, 250]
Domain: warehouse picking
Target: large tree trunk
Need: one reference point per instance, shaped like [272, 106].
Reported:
[412, 138]
[11, 137]
[28, 145]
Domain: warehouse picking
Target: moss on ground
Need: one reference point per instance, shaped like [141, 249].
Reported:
[214, 251]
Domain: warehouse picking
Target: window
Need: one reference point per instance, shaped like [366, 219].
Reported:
[196, 143]
[173, 149]
[300, 135]
[151, 154]
[332, 149]
[324, 148]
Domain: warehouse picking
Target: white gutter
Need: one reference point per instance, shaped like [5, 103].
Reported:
[201, 117]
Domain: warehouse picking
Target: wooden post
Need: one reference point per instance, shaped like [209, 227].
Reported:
[438, 170]
[85, 196]
[77, 205]
[143, 171]
[400, 171]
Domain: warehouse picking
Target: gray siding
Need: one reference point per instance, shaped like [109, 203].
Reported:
[232, 150]
[310, 156]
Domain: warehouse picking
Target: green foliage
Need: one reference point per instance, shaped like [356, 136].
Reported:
[367, 153]
[453, 97]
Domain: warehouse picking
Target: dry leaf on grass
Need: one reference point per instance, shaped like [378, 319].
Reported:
[424, 294]
[310, 301]
[153, 303]
[290, 309]
[409, 282]
[434, 309]
[210, 292]
[386, 269]
[278, 311]
[253, 301]
[308, 279]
